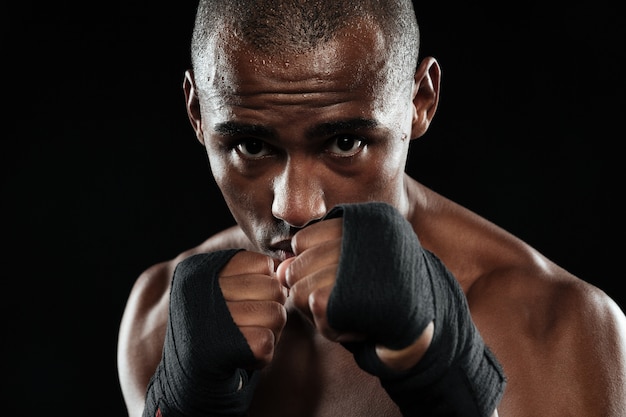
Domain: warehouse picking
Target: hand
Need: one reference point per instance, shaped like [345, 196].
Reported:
[364, 278]
[311, 274]
[255, 299]
[226, 314]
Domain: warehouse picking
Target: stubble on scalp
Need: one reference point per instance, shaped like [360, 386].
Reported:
[278, 27]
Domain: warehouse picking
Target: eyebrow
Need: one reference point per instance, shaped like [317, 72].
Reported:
[332, 128]
[243, 129]
[231, 128]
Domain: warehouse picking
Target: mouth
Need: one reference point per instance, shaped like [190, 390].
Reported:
[282, 250]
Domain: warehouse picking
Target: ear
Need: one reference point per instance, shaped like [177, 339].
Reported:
[193, 105]
[425, 95]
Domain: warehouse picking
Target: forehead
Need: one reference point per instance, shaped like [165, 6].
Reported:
[355, 58]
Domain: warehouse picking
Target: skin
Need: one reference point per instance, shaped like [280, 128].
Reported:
[560, 340]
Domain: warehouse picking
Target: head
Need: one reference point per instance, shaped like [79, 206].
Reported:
[305, 104]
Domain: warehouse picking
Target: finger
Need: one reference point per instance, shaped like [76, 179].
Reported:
[324, 254]
[267, 314]
[262, 342]
[301, 291]
[318, 303]
[247, 262]
[253, 287]
[281, 271]
[316, 233]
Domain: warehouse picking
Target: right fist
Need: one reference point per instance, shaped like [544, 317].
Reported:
[225, 317]
[256, 301]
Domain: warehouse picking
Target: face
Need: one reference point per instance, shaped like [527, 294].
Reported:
[290, 136]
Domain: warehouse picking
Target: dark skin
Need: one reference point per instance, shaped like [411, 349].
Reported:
[561, 341]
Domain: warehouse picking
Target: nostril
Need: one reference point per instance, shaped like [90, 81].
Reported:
[297, 213]
[295, 225]
[310, 222]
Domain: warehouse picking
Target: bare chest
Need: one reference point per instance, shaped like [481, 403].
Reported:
[313, 377]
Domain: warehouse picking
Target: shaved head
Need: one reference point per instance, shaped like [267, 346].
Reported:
[298, 26]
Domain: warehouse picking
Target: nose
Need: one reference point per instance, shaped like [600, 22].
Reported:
[298, 195]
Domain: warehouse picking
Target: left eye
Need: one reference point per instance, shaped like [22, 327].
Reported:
[345, 145]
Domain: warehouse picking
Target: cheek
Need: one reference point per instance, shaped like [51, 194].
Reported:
[386, 171]
[240, 194]
[247, 199]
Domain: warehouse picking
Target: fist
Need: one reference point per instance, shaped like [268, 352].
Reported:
[255, 299]
[311, 275]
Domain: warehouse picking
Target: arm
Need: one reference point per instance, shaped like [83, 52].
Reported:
[223, 317]
[404, 359]
[141, 334]
[593, 336]
[376, 290]
[562, 342]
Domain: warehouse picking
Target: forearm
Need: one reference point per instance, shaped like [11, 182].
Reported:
[204, 354]
[422, 343]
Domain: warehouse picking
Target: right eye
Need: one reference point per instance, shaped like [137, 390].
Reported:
[253, 148]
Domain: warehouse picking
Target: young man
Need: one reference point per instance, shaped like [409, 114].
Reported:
[348, 288]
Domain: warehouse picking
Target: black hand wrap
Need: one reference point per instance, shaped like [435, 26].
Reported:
[202, 370]
[389, 288]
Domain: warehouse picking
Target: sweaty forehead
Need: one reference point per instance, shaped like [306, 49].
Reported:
[356, 55]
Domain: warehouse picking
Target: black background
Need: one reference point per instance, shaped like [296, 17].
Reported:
[101, 175]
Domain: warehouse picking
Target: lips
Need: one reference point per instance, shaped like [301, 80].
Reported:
[282, 249]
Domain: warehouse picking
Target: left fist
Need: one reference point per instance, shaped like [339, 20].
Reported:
[311, 275]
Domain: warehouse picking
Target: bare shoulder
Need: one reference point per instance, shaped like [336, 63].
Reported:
[151, 288]
[142, 328]
[153, 284]
[561, 340]
[546, 302]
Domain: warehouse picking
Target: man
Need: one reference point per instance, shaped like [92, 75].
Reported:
[347, 288]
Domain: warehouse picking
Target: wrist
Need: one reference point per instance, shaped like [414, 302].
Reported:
[408, 357]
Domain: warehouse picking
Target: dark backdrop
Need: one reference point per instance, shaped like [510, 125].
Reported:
[102, 175]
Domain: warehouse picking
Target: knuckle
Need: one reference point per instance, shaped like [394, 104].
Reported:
[278, 291]
[317, 303]
[278, 317]
[268, 314]
[299, 296]
[262, 342]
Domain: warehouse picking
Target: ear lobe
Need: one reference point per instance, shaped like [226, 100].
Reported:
[425, 95]
[193, 105]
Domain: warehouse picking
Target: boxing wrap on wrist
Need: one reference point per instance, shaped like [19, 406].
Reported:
[390, 288]
[202, 369]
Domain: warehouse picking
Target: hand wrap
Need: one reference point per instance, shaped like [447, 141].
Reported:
[202, 369]
[389, 288]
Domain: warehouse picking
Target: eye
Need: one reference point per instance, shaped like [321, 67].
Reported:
[345, 145]
[253, 148]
